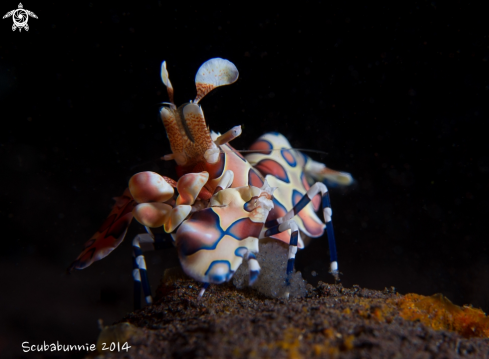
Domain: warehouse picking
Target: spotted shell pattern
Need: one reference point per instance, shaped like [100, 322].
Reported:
[284, 168]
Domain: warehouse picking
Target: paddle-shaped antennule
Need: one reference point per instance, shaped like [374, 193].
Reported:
[214, 73]
[166, 81]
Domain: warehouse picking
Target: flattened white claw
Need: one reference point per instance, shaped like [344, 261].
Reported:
[152, 215]
[214, 73]
[149, 187]
[177, 215]
[189, 187]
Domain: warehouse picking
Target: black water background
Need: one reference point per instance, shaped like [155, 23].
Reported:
[397, 96]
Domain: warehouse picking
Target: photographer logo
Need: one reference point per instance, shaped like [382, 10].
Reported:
[20, 17]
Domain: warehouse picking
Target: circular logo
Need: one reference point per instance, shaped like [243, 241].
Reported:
[20, 17]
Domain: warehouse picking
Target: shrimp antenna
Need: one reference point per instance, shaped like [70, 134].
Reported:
[279, 149]
[236, 151]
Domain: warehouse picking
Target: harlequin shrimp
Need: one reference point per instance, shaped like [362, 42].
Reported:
[223, 203]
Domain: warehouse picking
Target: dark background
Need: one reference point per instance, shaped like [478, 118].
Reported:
[397, 96]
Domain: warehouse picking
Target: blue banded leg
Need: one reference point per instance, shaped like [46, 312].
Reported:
[318, 187]
[294, 239]
[202, 290]
[253, 267]
[137, 282]
[139, 268]
[142, 243]
[328, 212]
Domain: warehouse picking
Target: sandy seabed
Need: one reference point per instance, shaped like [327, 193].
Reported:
[329, 322]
